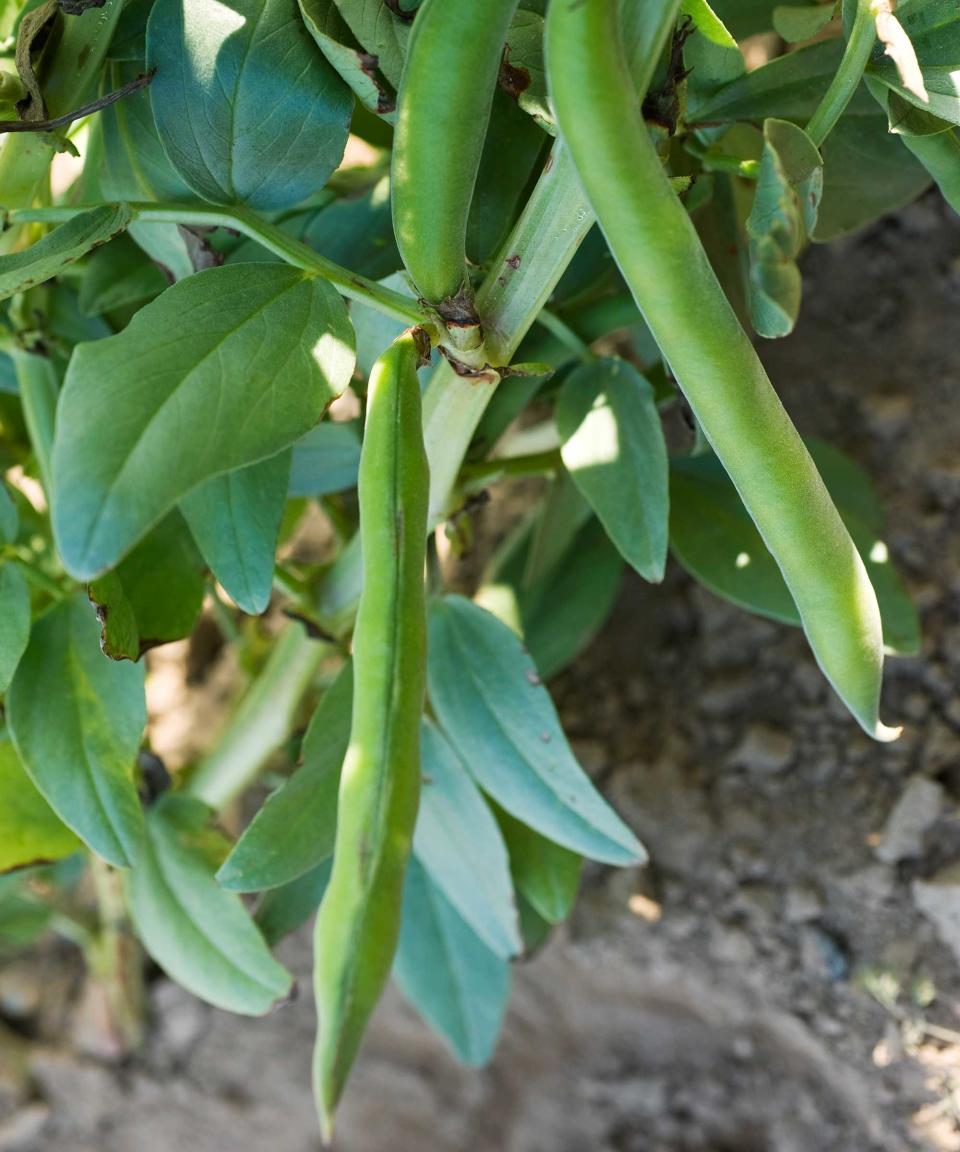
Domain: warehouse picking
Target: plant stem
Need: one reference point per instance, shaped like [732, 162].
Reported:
[477, 473]
[115, 962]
[863, 34]
[262, 721]
[274, 239]
[544, 241]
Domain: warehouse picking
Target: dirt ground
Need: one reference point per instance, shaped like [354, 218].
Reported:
[785, 976]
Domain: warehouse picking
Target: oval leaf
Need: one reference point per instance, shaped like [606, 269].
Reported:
[560, 613]
[235, 520]
[30, 831]
[783, 215]
[459, 844]
[447, 972]
[326, 460]
[247, 108]
[154, 595]
[224, 369]
[547, 875]
[76, 720]
[201, 936]
[14, 621]
[501, 722]
[60, 248]
[614, 450]
[295, 829]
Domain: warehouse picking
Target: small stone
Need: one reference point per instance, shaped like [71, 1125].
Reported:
[802, 905]
[23, 1127]
[823, 954]
[941, 748]
[939, 900]
[763, 749]
[21, 990]
[920, 803]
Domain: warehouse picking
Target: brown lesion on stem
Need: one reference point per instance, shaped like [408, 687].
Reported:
[423, 344]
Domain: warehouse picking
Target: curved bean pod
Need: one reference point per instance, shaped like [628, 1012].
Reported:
[443, 106]
[359, 919]
[663, 261]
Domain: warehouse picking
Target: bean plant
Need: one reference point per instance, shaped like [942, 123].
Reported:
[266, 263]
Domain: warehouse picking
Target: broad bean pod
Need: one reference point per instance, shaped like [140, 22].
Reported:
[715, 364]
[443, 106]
[359, 918]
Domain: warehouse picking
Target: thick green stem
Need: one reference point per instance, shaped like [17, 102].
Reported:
[863, 35]
[262, 721]
[115, 994]
[544, 241]
[269, 236]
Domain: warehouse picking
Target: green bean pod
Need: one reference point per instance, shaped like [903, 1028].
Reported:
[359, 919]
[715, 364]
[443, 106]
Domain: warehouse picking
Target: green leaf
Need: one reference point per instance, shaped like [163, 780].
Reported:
[9, 517]
[117, 275]
[934, 142]
[60, 248]
[225, 369]
[788, 87]
[235, 520]
[355, 67]
[713, 538]
[796, 22]
[282, 910]
[459, 844]
[939, 153]
[447, 972]
[154, 595]
[489, 701]
[326, 460]
[613, 448]
[30, 831]
[711, 54]
[546, 874]
[784, 214]
[933, 29]
[76, 720]
[524, 71]
[14, 621]
[867, 173]
[135, 166]
[511, 158]
[560, 613]
[201, 936]
[23, 917]
[382, 33]
[295, 829]
[374, 330]
[247, 107]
